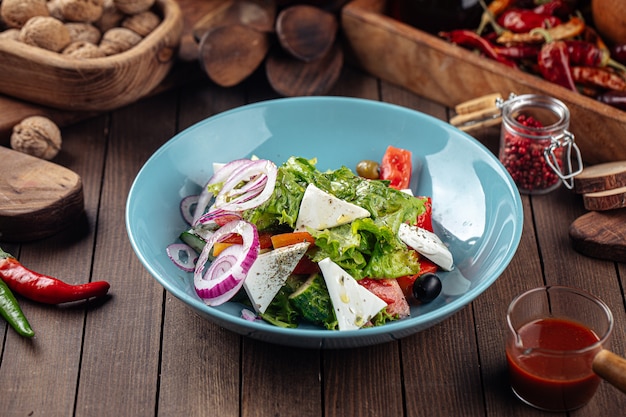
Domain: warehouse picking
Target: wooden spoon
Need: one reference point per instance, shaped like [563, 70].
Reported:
[306, 32]
[611, 368]
[292, 77]
[38, 198]
[229, 54]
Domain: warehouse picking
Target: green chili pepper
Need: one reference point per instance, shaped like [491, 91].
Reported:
[11, 311]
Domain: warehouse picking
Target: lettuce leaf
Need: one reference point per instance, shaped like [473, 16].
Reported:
[366, 247]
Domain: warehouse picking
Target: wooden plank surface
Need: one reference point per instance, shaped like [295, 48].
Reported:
[143, 353]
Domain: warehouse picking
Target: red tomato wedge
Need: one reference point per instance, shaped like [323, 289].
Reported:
[306, 267]
[425, 220]
[396, 166]
[390, 292]
[406, 282]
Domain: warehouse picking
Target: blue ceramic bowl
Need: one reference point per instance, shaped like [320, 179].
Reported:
[476, 207]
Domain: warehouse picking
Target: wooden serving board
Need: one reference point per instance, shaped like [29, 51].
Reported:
[600, 234]
[37, 198]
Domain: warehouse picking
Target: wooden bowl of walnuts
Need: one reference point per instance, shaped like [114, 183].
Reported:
[86, 54]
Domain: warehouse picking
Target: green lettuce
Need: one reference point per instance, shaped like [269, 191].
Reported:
[365, 248]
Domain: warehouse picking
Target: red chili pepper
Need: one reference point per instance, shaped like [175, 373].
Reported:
[522, 51]
[493, 11]
[523, 20]
[469, 39]
[615, 99]
[553, 61]
[43, 288]
[599, 77]
[618, 52]
[586, 53]
[555, 8]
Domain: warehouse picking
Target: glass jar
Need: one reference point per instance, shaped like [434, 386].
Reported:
[535, 145]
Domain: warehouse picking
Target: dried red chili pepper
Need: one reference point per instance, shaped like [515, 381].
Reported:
[618, 52]
[43, 288]
[570, 29]
[518, 51]
[586, 53]
[598, 77]
[472, 40]
[557, 8]
[492, 12]
[523, 20]
[615, 99]
[554, 66]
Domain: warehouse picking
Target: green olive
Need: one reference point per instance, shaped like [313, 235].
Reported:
[368, 169]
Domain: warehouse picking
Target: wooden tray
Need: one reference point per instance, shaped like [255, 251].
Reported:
[449, 74]
[51, 79]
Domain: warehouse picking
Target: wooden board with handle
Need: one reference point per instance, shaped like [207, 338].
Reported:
[37, 197]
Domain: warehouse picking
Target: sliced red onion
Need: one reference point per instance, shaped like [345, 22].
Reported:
[229, 170]
[187, 207]
[249, 315]
[260, 179]
[225, 276]
[203, 202]
[218, 217]
[183, 256]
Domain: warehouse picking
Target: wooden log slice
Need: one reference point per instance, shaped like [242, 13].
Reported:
[229, 54]
[605, 200]
[291, 77]
[306, 32]
[38, 198]
[600, 235]
[601, 177]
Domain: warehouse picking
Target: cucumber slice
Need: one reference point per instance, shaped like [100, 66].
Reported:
[313, 302]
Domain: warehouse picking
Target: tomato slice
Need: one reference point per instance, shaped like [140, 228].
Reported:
[265, 240]
[306, 267]
[425, 220]
[406, 282]
[396, 166]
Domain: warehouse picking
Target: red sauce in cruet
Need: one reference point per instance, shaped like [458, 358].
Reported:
[553, 382]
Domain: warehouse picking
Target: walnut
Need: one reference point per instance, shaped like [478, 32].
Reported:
[45, 32]
[86, 32]
[111, 16]
[12, 33]
[142, 23]
[133, 6]
[54, 8]
[83, 50]
[15, 13]
[117, 40]
[37, 136]
[80, 10]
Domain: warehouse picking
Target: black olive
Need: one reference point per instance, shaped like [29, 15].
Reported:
[427, 287]
[368, 169]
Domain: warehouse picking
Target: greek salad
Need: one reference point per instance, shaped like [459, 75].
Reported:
[338, 249]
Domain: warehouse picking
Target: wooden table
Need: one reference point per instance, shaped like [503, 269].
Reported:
[143, 353]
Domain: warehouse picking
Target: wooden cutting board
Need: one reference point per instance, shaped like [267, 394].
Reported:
[600, 234]
[37, 198]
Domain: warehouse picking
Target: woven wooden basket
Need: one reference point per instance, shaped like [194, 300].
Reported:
[52, 79]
